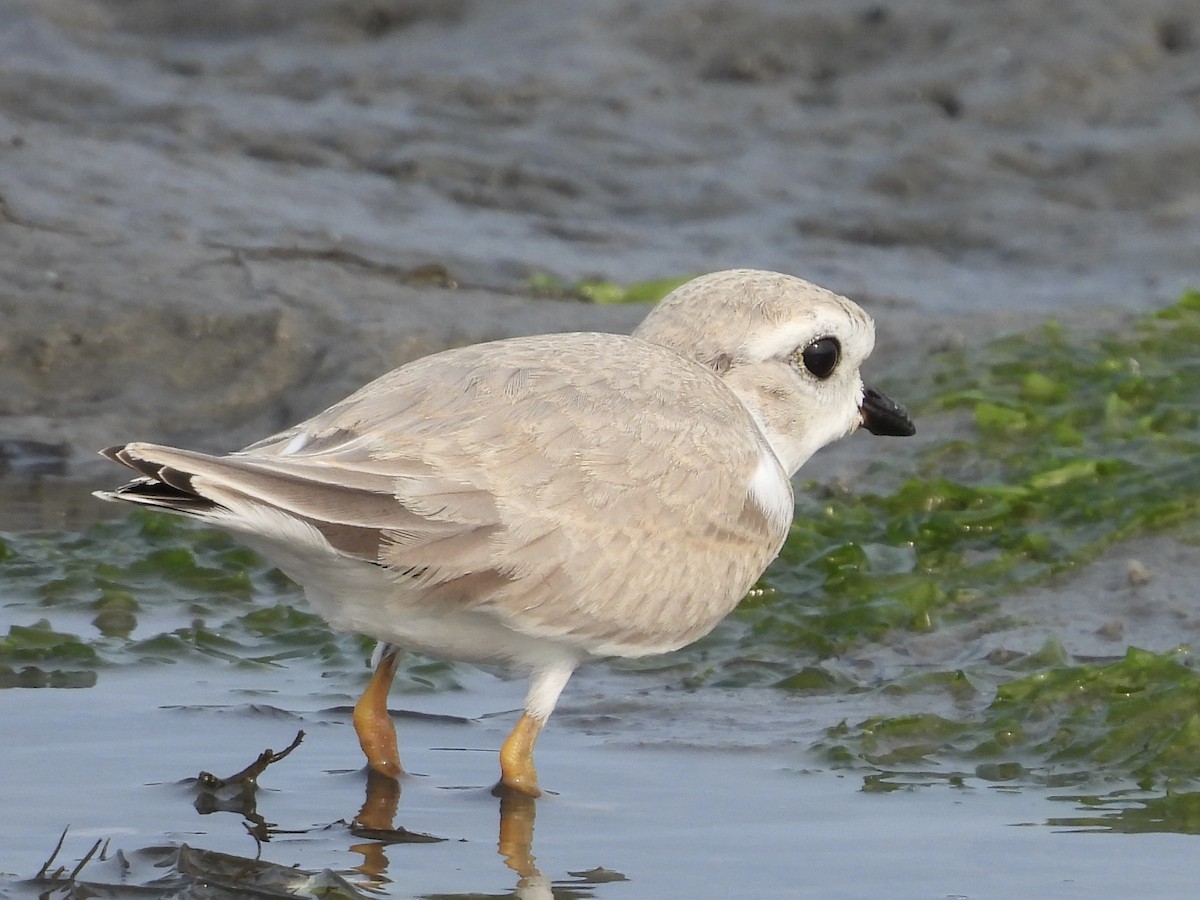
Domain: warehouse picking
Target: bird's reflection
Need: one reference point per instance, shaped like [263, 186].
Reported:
[376, 823]
[517, 812]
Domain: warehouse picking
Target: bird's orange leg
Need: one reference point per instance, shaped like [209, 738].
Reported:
[517, 770]
[376, 733]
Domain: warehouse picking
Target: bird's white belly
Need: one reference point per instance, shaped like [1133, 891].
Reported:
[356, 596]
[473, 636]
[360, 598]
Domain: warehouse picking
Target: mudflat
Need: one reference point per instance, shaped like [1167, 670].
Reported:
[220, 217]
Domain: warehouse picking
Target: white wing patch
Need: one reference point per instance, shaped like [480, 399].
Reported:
[296, 444]
[771, 490]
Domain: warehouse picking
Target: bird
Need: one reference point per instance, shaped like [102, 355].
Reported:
[539, 502]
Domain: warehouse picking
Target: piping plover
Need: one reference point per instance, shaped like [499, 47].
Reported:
[541, 501]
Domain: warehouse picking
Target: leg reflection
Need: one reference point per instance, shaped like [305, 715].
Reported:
[375, 822]
[517, 812]
[377, 817]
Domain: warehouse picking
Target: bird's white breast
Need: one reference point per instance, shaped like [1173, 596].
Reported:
[771, 490]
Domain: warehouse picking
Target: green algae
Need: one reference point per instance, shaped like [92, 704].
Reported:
[1139, 715]
[149, 589]
[1130, 812]
[596, 290]
[1136, 718]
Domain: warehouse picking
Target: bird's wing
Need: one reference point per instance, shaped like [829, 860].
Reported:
[546, 482]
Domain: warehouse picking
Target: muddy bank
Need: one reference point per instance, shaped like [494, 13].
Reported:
[219, 217]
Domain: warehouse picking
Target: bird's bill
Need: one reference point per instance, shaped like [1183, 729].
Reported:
[884, 416]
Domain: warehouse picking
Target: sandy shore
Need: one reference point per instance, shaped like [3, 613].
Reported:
[219, 217]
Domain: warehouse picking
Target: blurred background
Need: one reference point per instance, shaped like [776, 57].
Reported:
[218, 217]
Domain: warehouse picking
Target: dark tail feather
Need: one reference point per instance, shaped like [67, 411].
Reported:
[159, 486]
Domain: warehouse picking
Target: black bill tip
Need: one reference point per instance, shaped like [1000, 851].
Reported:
[884, 416]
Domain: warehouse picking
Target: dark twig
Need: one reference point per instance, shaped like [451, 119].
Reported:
[250, 774]
[83, 862]
[54, 855]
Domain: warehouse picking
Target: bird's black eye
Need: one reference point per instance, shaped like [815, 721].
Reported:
[821, 356]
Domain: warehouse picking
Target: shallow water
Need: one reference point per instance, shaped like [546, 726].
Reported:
[649, 805]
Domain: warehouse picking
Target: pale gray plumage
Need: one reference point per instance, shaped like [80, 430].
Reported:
[542, 500]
